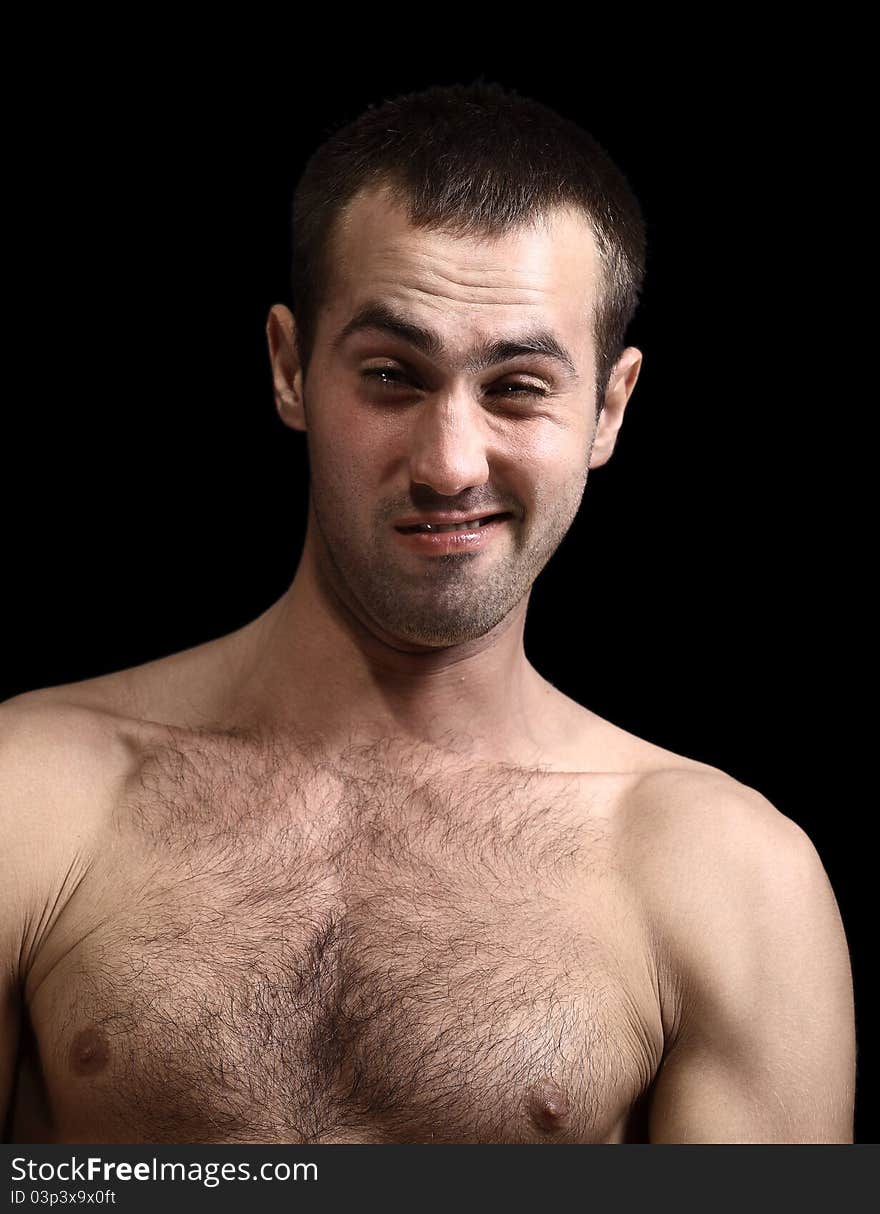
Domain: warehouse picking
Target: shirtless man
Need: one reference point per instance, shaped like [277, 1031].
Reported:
[357, 872]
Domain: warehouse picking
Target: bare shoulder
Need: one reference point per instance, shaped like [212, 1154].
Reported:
[701, 823]
[697, 837]
[752, 964]
[48, 732]
[735, 894]
[180, 688]
[60, 764]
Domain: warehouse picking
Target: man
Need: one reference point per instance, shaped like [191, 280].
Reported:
[357, 872]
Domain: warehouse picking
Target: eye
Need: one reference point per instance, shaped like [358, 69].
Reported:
[392, 377]
[522, 390]
[385, 377]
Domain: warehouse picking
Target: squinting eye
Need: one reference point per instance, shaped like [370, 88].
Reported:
[376, 374]
[391, 377]
[523, 390]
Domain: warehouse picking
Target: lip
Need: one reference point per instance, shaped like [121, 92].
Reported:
[444, 543]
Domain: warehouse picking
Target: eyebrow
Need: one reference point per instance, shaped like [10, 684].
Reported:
[383, 318]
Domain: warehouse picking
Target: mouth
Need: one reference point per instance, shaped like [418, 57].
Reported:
[467, 525]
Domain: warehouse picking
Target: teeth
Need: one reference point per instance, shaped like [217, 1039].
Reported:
[451, 526]
[470, 525]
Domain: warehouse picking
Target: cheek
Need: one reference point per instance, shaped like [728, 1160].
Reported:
[360, 451]
[345, 464]
[552, 457]
[557, 476]
[560, 438]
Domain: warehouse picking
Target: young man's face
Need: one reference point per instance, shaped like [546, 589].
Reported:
[403, 423]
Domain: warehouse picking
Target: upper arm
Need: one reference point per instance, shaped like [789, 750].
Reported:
[13, 897]
[48, 754]
[761, 1043]
[10, 1017]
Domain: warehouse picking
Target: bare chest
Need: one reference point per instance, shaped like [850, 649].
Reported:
[369, 949]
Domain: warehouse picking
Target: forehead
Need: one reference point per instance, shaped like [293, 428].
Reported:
[547, 272]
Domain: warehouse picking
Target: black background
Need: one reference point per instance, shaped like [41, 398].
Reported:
[708, 596]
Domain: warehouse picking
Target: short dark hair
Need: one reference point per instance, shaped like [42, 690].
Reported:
[471, 159]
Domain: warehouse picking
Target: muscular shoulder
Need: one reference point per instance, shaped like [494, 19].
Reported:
[47, 738]
[722, 875]
[739, 905]
[60, 764]
[677, 815]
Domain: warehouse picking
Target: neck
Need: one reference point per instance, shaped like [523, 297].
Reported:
[313, 660]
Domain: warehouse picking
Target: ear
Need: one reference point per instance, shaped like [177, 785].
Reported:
[620, 386]
[286, 369]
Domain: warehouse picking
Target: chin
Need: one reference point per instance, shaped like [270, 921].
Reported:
[438, 633]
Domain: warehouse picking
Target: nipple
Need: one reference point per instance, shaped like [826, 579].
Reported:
[548, 1105]
[89, 1052]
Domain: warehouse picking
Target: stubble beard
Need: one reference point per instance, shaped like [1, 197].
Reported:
[457, 597]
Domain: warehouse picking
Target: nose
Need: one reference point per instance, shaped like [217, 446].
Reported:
[448, 446]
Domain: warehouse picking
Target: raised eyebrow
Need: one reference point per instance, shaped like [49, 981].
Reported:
[380, 317]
